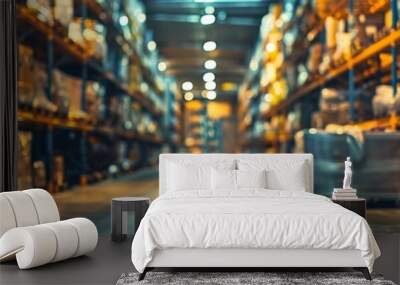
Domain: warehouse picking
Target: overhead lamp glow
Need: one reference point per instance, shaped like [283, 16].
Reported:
[210, 85]
[123, 20]
[162, 66]
[142, 17]
[210, 64]
[207, 19]
[151, 45]
[209, 76]
[187, 85]
[209, 46]
[209, 10]
[188, 96]
[211, 95]
[271, 47]
[253, 65]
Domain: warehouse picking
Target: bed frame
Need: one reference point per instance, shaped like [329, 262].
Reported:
[250, 259]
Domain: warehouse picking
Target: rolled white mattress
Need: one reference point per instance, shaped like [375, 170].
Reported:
[40, 244]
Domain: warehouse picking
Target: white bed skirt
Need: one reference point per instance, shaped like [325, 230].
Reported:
[189, 257]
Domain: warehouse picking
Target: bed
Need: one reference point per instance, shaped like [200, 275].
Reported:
[246, 211]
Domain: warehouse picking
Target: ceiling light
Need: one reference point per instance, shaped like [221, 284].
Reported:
[210, 85]
[207, 19]
[209, 76]
[209, 10]
[162, 66]
[189, 96]
[253, 65]
[123, 20]
[210, 64]
[228, 86]
[151, 45]
[271, 47]
[187, 85]
[211, 95]
[142, 17]
[203, 1]
[209, 46]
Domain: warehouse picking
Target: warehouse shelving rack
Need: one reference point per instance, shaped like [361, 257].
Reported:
[52, 40]
[308, 91]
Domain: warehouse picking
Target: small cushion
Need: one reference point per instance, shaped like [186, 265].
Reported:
[251, 178]
[223, 179]
[188, 174]
[182, 177]
[281, 174]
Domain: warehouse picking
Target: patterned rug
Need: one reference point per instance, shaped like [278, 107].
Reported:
[269, 278]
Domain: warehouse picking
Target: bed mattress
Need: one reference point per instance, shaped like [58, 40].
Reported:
[250, 219]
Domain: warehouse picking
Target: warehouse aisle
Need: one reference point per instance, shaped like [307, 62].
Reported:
[94, 201]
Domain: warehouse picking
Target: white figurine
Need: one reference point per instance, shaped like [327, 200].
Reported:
[347, 174]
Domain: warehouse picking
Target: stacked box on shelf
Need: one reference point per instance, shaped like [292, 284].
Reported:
[334, 108]
[64, 11]
[42, 8]
[91, 38]
[123, 70]
[40, 101]
[24, 165]
[114, 117]
[134, 77]
[58, 175]
[32, 82]
[25, 80]
[39, 174]
[61, 92]
[95, 100]
[384, 102]
[68, 94]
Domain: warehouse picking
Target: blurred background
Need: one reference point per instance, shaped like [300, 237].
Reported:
[106, 86]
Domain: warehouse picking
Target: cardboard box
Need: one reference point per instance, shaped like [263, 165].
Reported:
[64, 11]
[24, 165]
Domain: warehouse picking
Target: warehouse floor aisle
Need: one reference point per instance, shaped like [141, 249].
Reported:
[94, 201]
[111, 259]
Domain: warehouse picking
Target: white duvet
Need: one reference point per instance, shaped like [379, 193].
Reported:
[250, 219]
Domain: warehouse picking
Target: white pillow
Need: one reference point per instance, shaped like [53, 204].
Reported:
[223, 179]
[281, 174]
[251, 178]
[188, 177]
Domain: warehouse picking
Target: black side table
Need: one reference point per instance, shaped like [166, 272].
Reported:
[358, 206]
[120, 208]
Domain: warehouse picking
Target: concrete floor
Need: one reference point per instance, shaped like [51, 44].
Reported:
[103, 266]
[110, 260]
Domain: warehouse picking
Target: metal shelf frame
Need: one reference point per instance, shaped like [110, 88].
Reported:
[308, 90]
[86, 68]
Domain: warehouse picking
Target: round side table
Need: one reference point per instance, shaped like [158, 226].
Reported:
[120, 208]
